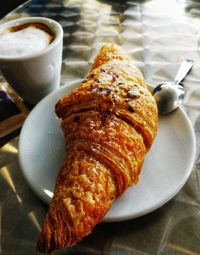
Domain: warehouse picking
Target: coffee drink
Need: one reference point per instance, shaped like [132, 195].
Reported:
[31, 56]
[25, 40]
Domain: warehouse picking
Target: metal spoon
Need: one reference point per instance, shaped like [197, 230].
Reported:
[169, 95]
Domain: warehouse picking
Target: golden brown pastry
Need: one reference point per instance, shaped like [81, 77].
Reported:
[109, 123]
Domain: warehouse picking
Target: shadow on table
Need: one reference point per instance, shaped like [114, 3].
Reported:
[9, 5]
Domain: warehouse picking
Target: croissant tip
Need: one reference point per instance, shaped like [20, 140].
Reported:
[43, 245]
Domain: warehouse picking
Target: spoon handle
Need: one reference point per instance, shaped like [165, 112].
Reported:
[185, 67]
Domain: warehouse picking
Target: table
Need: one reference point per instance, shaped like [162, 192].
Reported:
[158, 34]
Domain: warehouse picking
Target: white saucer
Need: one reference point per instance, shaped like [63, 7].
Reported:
[166, 168]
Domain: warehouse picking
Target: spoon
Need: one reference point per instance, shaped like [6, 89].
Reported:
[169, 95]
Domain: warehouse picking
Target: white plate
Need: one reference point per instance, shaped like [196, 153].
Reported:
[166, 168]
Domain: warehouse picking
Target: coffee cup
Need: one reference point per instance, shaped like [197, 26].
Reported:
[31, 56]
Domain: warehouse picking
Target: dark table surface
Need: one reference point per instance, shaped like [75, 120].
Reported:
[9, 5]
[158, 34]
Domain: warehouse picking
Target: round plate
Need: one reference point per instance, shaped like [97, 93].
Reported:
[166, 168]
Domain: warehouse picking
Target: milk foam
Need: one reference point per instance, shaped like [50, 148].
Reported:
[24, 42]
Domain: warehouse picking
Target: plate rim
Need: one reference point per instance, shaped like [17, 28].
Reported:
[148, 210]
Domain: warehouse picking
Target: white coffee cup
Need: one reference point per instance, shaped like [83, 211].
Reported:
[35, 74]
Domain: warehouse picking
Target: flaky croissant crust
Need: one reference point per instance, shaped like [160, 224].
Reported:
[109, 123]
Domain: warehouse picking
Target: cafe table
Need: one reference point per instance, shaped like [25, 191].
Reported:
[158, 35]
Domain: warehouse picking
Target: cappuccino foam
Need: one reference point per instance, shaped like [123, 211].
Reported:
[23, 42]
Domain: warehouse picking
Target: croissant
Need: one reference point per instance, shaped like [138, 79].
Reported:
[109, 123]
